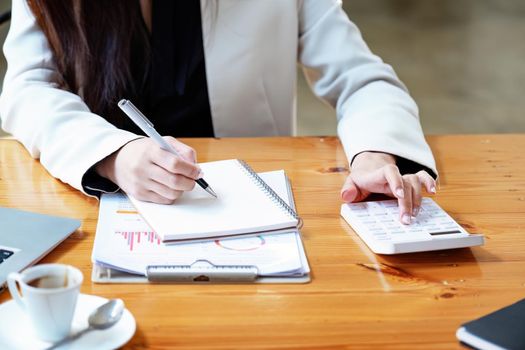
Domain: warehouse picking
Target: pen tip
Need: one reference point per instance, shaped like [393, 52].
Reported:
[210, 191]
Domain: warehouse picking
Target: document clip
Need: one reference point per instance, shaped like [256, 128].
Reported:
[201, 271]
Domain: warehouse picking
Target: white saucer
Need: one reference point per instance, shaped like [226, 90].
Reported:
[16, 331]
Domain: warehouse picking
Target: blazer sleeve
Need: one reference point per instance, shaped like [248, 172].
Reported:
[374, 110]
[54, 125]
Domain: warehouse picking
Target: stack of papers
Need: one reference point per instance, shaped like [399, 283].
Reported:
[126, 243]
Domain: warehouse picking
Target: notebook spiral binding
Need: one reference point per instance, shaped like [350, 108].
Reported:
[270, 192]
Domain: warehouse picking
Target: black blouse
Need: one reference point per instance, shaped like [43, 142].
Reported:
[171, 88]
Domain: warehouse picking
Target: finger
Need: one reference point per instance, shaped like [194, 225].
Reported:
[395, 181]
[174, 164]
[350, 192]
[169, 194]
[405, 204]
[415, 185]
[428, 181]
[185, 151]
[150, 196]
[170, 180]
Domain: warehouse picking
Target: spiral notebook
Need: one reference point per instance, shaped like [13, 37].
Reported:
[245, 204]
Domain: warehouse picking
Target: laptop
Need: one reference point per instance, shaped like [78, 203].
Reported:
[27, 237]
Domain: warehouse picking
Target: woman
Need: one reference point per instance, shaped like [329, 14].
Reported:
[208, 68]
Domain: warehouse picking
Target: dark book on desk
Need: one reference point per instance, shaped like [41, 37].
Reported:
[502, 329]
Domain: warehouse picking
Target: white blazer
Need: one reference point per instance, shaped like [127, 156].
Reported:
[251, 51]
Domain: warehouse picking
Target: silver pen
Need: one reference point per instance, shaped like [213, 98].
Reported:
[145, 125]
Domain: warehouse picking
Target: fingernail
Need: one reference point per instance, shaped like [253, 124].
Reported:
[400, 193]
[405, 219]
[415, 211]
[433, 189]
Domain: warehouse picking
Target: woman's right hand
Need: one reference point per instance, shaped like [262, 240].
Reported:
[145, 171]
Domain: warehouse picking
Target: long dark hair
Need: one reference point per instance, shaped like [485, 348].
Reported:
[92, 45]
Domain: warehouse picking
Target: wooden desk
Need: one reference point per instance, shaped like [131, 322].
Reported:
[410, 301]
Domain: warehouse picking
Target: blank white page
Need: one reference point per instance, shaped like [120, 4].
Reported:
[242, 206]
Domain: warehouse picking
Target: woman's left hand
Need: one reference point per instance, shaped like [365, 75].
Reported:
[374, 172]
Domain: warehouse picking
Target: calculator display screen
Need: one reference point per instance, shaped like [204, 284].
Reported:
[444, 232]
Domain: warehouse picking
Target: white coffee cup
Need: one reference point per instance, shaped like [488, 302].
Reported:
[49, 296]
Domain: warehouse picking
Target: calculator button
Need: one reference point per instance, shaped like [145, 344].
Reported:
[383, 238]
[416, 231]
[369, 222]
[379, 234]
[357, 206]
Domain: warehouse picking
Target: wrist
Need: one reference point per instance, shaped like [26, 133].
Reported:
[106, 166]
[371, 156]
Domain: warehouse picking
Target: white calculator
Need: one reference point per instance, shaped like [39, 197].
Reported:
[377, 223]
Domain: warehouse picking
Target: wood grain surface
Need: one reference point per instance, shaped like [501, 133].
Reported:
[356, 299]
